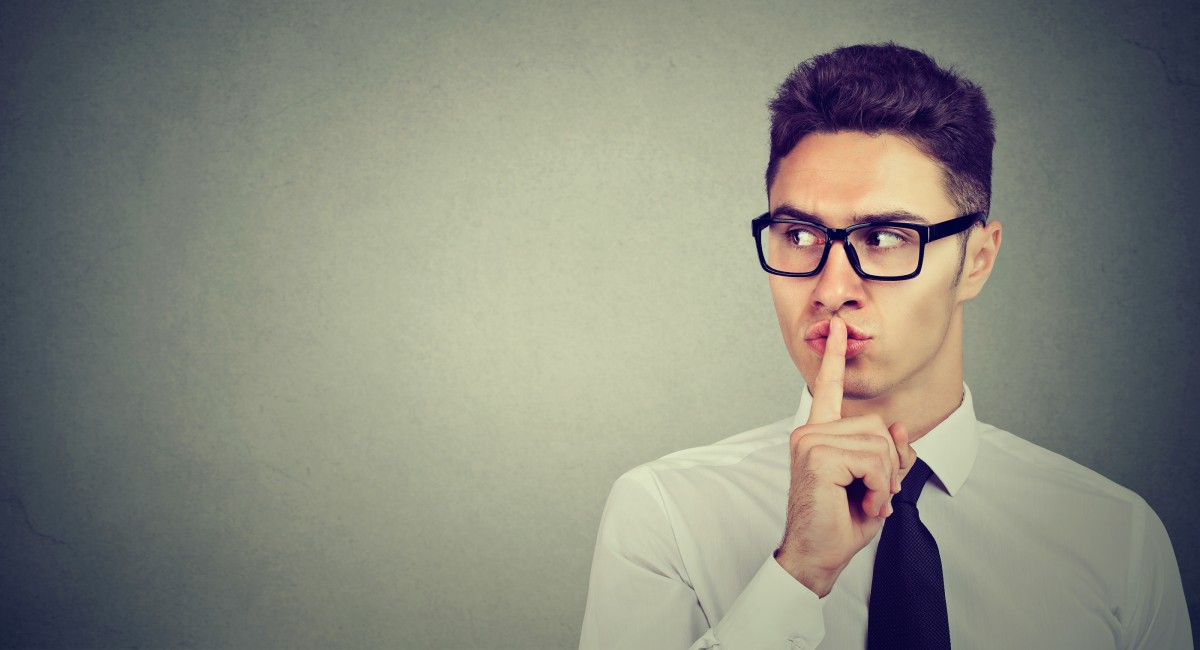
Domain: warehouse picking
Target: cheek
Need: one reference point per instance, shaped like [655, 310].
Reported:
[926, 315]
[790, 297]
[919, 311]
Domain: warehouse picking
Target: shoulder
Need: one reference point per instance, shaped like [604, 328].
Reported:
[1046, 470]
[1078, 540]
[729, 454]
[714, 480]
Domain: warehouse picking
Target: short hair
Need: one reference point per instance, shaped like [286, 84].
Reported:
[887, 88]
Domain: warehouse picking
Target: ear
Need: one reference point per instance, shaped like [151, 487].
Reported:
[982, 248]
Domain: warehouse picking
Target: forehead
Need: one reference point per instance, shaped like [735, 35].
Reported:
[838, 176]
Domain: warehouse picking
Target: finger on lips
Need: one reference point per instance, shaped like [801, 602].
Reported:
[827, 389]
[860, 439]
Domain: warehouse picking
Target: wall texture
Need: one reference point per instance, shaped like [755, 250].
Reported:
[331, 326]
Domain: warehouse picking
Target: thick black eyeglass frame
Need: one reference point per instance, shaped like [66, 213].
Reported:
[926, 233]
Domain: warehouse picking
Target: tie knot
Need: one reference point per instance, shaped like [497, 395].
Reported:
[913, 483]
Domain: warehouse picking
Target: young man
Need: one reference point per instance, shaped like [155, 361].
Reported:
[884, 515]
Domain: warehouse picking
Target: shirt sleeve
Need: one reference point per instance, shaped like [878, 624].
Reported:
[641, 595]
[1156, 615]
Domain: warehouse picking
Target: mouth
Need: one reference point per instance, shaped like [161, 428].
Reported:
[817, 334]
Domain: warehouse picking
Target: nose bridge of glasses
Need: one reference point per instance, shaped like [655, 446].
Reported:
[846, 250]
[837, 234]
[839, 280]
[842, 235]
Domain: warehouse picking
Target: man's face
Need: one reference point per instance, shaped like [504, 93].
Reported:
[898, 329]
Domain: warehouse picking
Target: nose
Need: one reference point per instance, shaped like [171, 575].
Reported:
[838, 285]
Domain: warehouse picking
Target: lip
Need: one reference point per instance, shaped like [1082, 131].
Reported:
[856, 340]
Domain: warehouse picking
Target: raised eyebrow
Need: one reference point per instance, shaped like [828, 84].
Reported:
[790, 212]
[903, 216]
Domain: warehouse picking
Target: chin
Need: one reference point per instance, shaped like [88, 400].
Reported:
[859, 388]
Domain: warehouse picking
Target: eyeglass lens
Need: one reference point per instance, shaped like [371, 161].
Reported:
[886, 250]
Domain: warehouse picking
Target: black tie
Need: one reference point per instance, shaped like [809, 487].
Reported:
[908, 597]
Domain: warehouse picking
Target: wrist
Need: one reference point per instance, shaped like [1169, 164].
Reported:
[817, 580]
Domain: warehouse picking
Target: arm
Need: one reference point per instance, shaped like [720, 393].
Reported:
[1156, 615]
[641, 594]
[826, 527]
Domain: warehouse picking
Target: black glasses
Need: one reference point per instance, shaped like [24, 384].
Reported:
[881, 250]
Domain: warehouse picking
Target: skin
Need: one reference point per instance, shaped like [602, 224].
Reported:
[848, 459]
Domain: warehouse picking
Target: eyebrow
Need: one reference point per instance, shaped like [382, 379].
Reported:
[791, 212]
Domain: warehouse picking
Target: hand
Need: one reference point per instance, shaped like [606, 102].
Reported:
[844, 473]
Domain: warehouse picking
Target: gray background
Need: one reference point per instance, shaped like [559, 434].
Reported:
[332, 326]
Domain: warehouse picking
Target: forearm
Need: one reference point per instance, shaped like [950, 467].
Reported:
[626, 610]
[642, 595]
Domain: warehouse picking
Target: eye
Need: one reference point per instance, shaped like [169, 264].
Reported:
[888, 238]
[802, 236]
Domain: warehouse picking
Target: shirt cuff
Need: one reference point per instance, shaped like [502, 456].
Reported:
[774, 611]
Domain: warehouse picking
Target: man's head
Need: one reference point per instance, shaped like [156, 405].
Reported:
[891, 89]
[873, 133]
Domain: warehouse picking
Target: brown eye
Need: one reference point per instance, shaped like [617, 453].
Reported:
[801, 236]
[888, 238]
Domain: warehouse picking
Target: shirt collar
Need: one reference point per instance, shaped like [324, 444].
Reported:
[949, 449]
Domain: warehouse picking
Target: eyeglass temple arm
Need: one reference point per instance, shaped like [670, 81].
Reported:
[758, 224]
[955, 226]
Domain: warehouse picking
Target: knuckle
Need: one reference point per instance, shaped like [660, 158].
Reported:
[877, 463]
[873, 443]
[820, 450]
[821, 456]
[798, 435]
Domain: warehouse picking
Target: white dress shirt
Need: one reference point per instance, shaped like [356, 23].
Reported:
[1037, 552]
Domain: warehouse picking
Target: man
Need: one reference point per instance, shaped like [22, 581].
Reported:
[879, 187]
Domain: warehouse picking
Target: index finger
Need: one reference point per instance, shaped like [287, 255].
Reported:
[827, 388]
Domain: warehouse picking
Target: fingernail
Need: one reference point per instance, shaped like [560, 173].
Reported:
[888, 510]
